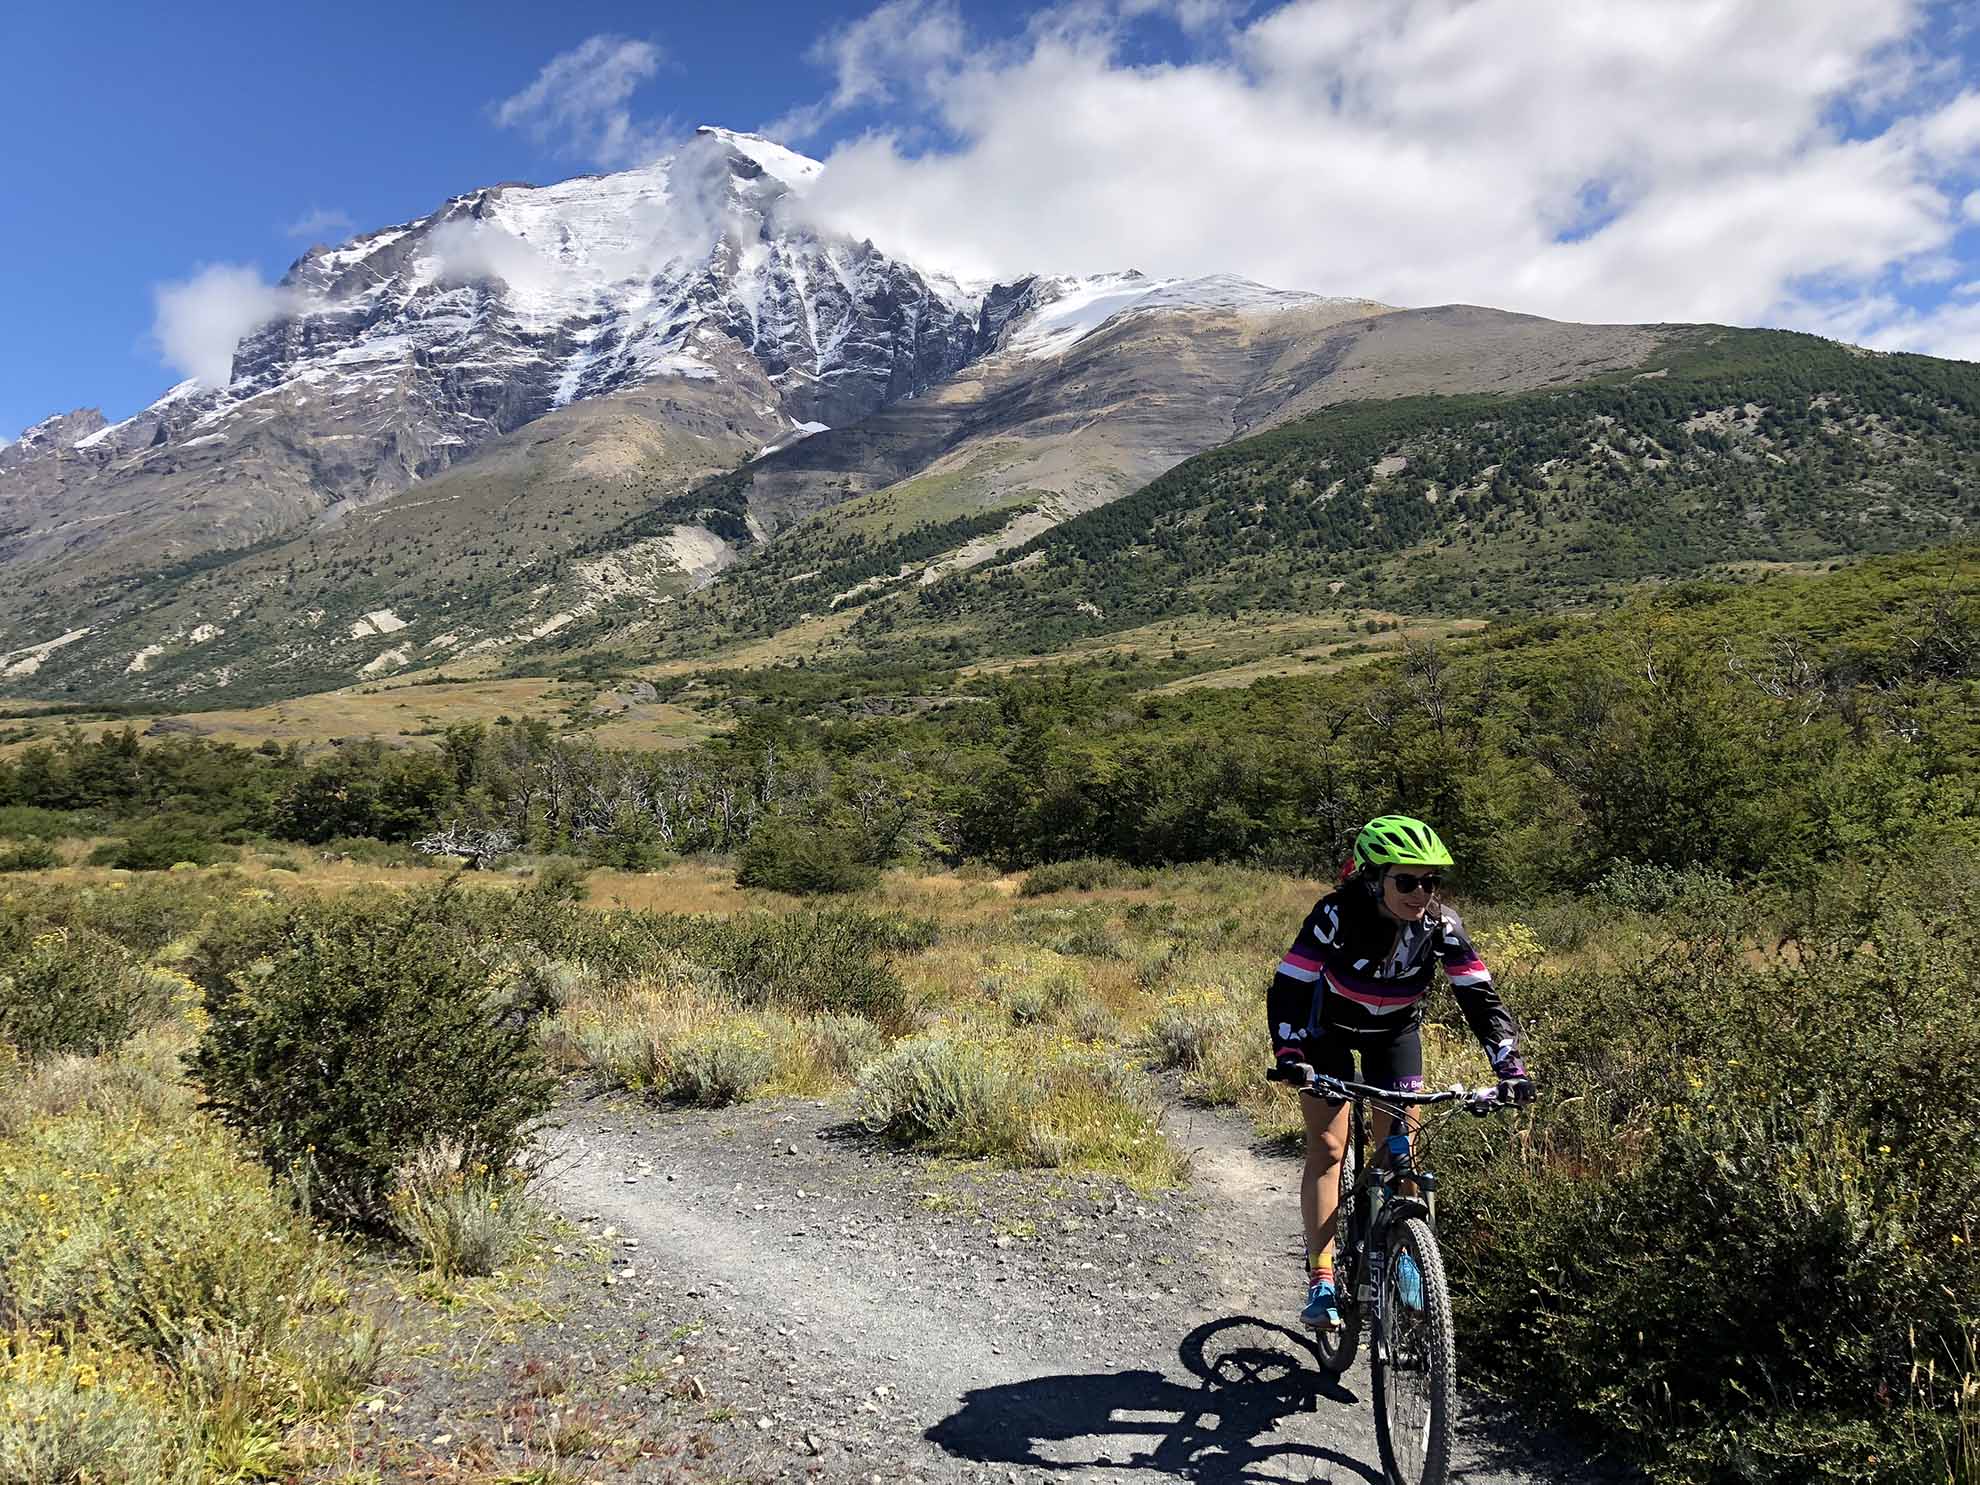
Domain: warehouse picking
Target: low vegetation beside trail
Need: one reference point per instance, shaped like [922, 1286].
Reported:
[1758, 1105]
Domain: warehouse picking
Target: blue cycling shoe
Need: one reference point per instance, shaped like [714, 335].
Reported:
[1321, 1312]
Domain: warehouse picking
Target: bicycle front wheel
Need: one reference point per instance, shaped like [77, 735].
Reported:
[1414, 1360]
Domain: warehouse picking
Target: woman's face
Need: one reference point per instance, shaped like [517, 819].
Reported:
[1408, 907]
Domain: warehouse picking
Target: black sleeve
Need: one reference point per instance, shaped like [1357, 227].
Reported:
[1471, 982]
[1289, 1003]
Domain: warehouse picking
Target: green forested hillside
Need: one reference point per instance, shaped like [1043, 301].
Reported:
[1741, 446]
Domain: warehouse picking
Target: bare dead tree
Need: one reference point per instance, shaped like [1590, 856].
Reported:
[1424, 675]
[476, 845]
[1787, 675]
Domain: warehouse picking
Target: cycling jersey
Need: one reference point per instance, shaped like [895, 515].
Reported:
[1355, 972]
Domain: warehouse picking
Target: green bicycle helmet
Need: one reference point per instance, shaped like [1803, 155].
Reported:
[1397, 840]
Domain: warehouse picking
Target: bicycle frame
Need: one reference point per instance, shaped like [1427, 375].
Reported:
[1398, 1167]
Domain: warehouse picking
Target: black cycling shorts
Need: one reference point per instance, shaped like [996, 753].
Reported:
[1392, 1060]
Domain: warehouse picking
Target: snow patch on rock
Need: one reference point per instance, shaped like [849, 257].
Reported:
[1081, 306]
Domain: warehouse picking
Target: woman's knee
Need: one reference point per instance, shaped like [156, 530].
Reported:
[1324, 1148]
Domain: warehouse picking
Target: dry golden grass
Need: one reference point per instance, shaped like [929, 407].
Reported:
[378, 709]
[685, 887]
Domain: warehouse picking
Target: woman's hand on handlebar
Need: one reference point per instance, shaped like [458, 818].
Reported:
[1290, 1066]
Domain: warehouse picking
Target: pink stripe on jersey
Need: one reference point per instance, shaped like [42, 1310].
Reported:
[1300, 961]
[1362, 997]
[1474, 967]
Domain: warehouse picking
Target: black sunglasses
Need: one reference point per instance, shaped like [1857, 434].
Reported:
[1406, 883]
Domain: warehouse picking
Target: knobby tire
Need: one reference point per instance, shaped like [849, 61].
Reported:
[1415, 1364]
[1336, 1348]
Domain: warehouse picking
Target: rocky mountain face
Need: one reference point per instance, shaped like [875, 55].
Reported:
[407, 350]
[50, 436]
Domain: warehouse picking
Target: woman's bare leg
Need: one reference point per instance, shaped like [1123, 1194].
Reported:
[1320, 1179]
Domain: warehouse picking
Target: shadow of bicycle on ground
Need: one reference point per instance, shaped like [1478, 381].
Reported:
[1252, 1377]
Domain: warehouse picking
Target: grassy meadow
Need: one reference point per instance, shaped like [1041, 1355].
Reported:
[1754, 1105]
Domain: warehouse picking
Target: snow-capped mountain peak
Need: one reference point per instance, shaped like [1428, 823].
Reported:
[1070, 309]
[412, 345]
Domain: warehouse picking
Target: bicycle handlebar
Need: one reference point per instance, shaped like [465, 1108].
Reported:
[1319, 1084]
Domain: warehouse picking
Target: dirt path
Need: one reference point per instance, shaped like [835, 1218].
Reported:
[861, 1314]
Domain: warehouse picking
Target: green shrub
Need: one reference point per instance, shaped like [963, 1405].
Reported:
[628, 848]
[804, 860]
[560, 879]
[71, 1414]
[1083, 931]
[1021, 1102]
[362, 1039]
[1743, 1212]
[1181, 1031]
[167, 1234]
[162, 842]
[1089, 1019]
[147, 914]
[846, 1044]
[1033, 987]
[1089, 874]
[465, 1221]
[827, 960]
[139, 1080]
[31, 855]
[936, 1091]
[28, 822]
[719, 1065]
[1646, 888]
[77, 992]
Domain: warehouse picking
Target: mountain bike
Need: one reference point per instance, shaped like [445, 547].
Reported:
[1391, 1275]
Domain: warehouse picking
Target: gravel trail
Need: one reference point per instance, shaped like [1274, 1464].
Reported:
[873, 1315]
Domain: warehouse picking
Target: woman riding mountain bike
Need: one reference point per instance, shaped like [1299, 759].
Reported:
[1354, 982]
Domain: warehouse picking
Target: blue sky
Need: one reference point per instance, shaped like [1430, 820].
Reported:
[1803, 162]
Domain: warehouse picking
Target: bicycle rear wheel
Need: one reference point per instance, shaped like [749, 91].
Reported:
[1414, 1360]
[1337, 1347]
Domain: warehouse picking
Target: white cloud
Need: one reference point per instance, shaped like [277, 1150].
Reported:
[895, 49]
[472, 250]
[200, 320]
[1634, 160]
[1951, 328]
[579, 103]
[321, 224]
[1970, 207]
